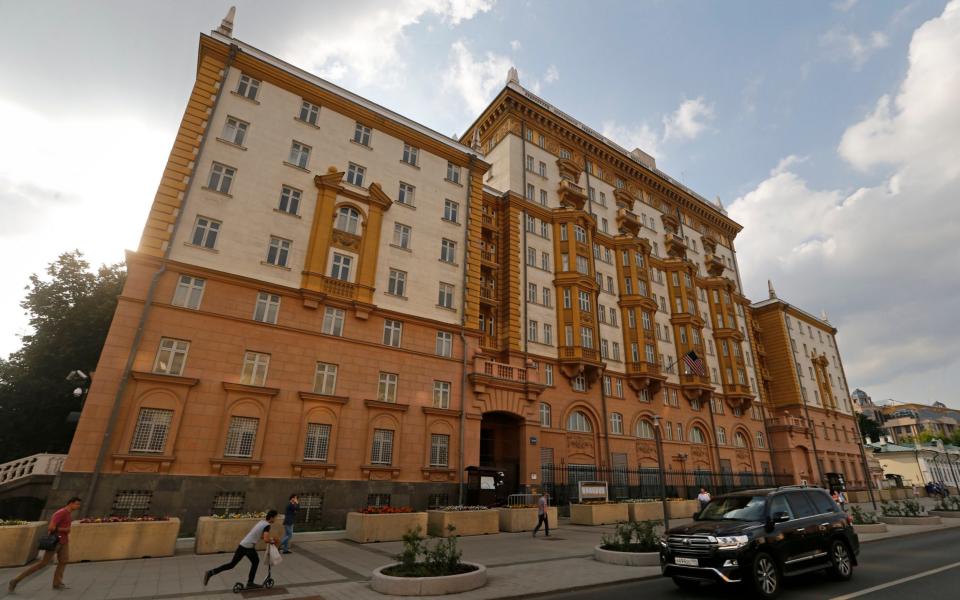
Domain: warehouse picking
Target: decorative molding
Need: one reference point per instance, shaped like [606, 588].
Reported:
[160, 378]
[311, 397]
[379, 472]
[256, 390]
[373, 404]
[313, 470]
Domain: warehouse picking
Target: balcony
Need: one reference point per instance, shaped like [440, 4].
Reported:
[489, 257]
[489, 342]
[491, 374]
[503, 371]
[695, 386]
[790, 423]
[571, 195]
[715, 266]
[641, 375]
[488, 294]
[577, 360]
[624, 198]
[675, 245]
[627, 222]
[339, 288]
[489, 221]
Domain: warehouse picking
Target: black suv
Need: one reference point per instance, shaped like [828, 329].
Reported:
[756, 537]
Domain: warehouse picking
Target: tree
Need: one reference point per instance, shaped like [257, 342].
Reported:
[70, 312]
[868, 427]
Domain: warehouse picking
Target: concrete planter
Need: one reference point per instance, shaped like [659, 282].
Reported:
[428, 586]
[513, 520]
[224, 535]
[885, 495]
[626, 559]
[467, 522]
[117, 541]
[871, 528]
[683, 509]
[910, 520]
[946, 514]
[364, 528]
[645, 511]
[18, 543]
[598, 514]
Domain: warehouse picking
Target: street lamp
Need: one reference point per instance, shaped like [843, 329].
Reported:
[82, 382]
[663, 484]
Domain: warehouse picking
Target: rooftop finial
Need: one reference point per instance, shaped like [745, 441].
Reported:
[513, 76]
[773, 292]
[475, 142]
[823, 315]
[226, 25]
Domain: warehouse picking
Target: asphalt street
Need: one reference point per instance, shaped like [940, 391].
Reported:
[922, 566]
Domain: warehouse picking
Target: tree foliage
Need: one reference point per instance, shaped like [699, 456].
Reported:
[70, 312]
[869, 428]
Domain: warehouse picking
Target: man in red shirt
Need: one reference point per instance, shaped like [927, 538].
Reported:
[59, 524]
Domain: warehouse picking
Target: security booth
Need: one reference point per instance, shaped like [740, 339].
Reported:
[485, 487]
[835, 481]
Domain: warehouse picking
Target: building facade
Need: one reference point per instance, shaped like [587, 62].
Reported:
[863, 404]
[333, 300]
[906, 421]
[813, 426]
[918, 464]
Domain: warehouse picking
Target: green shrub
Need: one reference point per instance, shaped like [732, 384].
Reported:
[632, 537]
[862, 517]
[420, 559]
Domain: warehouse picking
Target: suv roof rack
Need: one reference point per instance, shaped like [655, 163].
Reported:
[800, 486]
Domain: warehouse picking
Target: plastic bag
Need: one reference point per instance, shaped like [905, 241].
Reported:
[274, 555]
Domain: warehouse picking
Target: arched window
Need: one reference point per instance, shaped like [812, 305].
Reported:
[348, 219]
[578, 422]
[739, 440]
[645, 430]
[616, 423]
[696, 435]
[760, 439]
[546, 419]
[721, 436]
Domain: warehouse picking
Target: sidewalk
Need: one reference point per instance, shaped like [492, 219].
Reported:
[518, 564]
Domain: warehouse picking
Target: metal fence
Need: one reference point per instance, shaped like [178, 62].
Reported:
[560, 482]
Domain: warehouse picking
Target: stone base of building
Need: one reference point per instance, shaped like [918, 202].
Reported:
[191, 497]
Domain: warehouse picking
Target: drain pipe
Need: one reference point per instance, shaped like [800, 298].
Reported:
[148, 304]
[463, 324]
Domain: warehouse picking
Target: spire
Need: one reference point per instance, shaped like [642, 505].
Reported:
[823, 315]
[513, 76]
[475, 142]
[226, 25]
[773, 292]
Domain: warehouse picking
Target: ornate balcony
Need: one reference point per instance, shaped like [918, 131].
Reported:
[489, 258]
[576, 360]
[675, 245]
[489, 221]
[491, 374]
[624, 198]
[627, 222]
[715, 266]
[488, 294]
[696, 386]
[571, 195]
[339, 288]
[642, 375]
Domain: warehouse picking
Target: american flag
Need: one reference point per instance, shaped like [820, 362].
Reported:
[694, 363]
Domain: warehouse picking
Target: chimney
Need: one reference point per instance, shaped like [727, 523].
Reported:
[773, 292]
[226, 25]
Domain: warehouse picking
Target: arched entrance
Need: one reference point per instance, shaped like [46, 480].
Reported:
[501, 446]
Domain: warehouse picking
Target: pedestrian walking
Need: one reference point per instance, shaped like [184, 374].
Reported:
[542, 516]
[60, 525]
[289, 517]
[916, 490]
[703, 498]
[842, 497]
[248, 548]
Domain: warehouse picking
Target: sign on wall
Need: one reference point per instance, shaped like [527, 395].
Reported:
[592, 490]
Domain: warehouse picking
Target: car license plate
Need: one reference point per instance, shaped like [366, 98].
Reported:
[690, 562]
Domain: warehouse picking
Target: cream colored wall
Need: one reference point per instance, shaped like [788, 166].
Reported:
[814, 343]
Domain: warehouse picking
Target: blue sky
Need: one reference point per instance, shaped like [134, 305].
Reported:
[818, 124]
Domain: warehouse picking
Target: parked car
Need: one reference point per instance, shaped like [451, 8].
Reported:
[758, 537]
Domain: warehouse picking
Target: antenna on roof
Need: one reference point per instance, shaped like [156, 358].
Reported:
[226, 25]
[513, 76]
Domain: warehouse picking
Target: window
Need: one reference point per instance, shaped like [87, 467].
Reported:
[278, 252]
[545, 416]
[583, 265]
[578, 422]
[451, 211]
[131, 503]
[721, 436]
[548, 374]
[542, 169]
[254, 368]
[309, 112]
[441, 394]
[566, 297]
[382, 451]
[227, 503]
[268, 305]
[607, 387]
[361, 134]
[444, 346]
[387, 388]
[532, 330]
[646, 321]
[189, 292]
[325, 379]
[392, 331]
[679, 432]
[355, 174]
[411, 155]
[445, 295]
[341, 266]
[299, 154]
[248, 87]
[289, 200]
[241, 437]
[221, 177]
[531, 190]
[579, 384]
[205, 232]
[234, 130]
[532, 257]
[616, 423]
[348, 219]
[439, 450]
[406, 193]
[540, 141]
[580, 234]
[150, 434]
[171, 356]
[529, 163]
[547, 296]
[543, 197]
[645, 429]
[585, 301]
[586, 337]
[644, 395]
[616, 350]
[453, 172]
[448, 251]
[739, 440]
[401, 236]
[650, 354]
[318, 442]
[397, 283]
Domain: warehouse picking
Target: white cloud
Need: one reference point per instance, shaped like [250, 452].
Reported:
[842, 44]
[786, 162]
[475, 80]
[515, 45]
[552, 74]
[844, 5]
[368, 48]
[641, 136]
[881, 257]
[688, 121]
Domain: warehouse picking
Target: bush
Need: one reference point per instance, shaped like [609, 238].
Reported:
[385, 510]
[461, 508]
[907, 508]
[950, 503]
[244, 515]
[8, 523]
[863, 517]
[443, 558]
[632, 537]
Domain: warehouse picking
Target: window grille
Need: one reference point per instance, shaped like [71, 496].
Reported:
[378, 499]
[241, 437]
[151, 432]
[226, 503]
[131, 503]
[318, 442]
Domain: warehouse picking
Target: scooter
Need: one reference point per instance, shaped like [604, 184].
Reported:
[267, 583]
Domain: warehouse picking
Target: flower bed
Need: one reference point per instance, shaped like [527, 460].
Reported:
[598, 513]
[18, 541]
[525, 518]
[365, 526]
[385, 510]
[631, 544]
[466, 520]
[948, 507]
[223, 533]
[428, 571]
[116, 538]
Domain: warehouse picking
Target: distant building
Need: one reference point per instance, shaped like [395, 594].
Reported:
[863, 404]
[906, 421]
[918, 464]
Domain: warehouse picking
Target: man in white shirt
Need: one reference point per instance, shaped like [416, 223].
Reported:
[704, 498]
[248, 548]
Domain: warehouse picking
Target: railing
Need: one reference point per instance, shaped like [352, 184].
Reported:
[341, 289]
[488, 256]
[500, 370]
[694, 379]
[786, 422]
[578, 353]
[643, 368]
[38, 464]
[488, 341]
[736, 389]
[488, 293]
[489, 220]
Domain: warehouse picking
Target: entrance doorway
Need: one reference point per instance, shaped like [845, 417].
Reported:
[500, 448]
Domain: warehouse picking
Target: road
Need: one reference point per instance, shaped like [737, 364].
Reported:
[884, 572]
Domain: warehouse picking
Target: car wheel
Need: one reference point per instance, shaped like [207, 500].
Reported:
[765, 576]
[841, 565]
[686, 584]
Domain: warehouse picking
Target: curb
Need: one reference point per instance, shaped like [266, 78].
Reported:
[903, 535]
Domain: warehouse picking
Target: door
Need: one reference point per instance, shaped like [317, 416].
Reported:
[791, 544]
[807, 525]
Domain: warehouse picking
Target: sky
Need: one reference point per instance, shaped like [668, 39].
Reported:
[830, 130]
